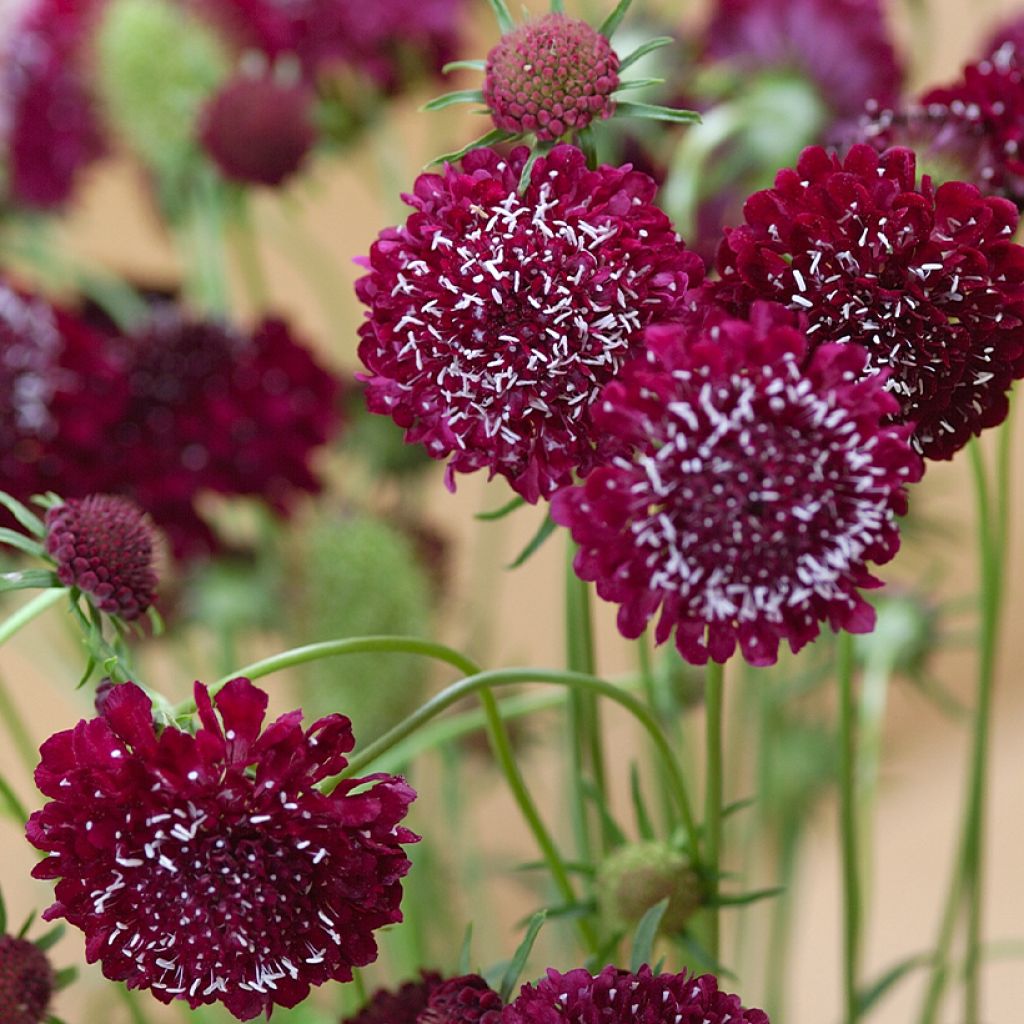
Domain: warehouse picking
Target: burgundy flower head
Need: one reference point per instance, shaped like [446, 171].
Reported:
[840, 45]
[494, 318]
[928, 281]
[760, 483]
[52, 127]
[401, 1006]
[26, 982]
[617, 996]
[551, 76]
[212, 409]
[258, 130]
[104, 546]
[208, 867]
[467, 999]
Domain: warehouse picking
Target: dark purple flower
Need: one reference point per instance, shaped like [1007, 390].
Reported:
[551, 76]
[258, 130]
[26, 982]
[467, 999]
[928, 280]
[495, 317]
[52, 127]
[841, 46]
[104, 546]
[760, 484]
[616, 996]
[209, 867]
[401, 1006]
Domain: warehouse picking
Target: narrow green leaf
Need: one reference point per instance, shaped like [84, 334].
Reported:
[28, 519]
[50, 939]
[28, 579]
[3, 915]
[654, 112]
[51, 1019]
[564, 912]
[18, 540]
[642, 51]
[464, 65]
[15, 807]
[738, 805]
[613, 834]
[547, 527]
[539, 149]
[612, 22]
[451, 98]
[519, 958]
[492, 137]
[574, 867]
[64, 977]
[26, 924]
[638, 83]
[745, 898]
[643, 938]
[156, 621]
[873, 992]
[464, 949]
[705, 961]
[644, 826]
[501, 12]
[500, 513]
[557, 7]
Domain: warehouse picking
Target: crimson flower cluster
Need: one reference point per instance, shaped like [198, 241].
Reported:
[927, 280]
[209, 867]
[26, 982]
[760, 483]
[495, 316]
[466, 999]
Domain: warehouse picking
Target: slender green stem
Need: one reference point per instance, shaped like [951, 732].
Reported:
[245, 248]
[497, 733]
[848, 824]
[29, 611]
[713, 796]
[27, 747]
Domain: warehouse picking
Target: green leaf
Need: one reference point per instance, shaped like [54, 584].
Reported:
[638, 83]
[614, 836]
[612, 22]
[451, 98]
[464, 65]
[3, 915]
[64, 977]
[654, 112]
[738, 805]
[644, 826]
[29, 579]
[519, 958]
[705, 962]
[547, 527]
[540, 149]
[490, 139]
[501, 12]
[464, 950]
[500, 513]
[50, 939]
[15, 807]
[156, 620]
[870, 994]
[28, 519]
[18, 540]
[25, 925]
[557, 7]
[642, 51]
[744, 898]
[643, 938]
[574, 867]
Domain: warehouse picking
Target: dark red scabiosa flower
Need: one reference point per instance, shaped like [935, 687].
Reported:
[467, 999]
[841, 46]
[495, 317]
[26, 982]
[104, 546]
[986, 106]
[208, 867]
[258, 130]
[52, 126]
[212, 409]
[551, 76]
[616, 996]
[401, 1006]
[927, 280]
[760, 483]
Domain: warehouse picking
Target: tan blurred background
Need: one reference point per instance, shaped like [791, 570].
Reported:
[308, 240]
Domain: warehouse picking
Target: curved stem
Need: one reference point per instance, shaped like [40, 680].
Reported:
[848, 825]
[713, 796]
[497, 733]
[29, 611]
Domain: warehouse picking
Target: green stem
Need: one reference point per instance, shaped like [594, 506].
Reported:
[497, 733]
[29, 611]
[848, 824]
[21, 737]
[245, 247]
[713, 797]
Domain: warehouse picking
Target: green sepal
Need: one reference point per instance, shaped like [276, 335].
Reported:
[500, 513]
[612, 22]
[745, 898]
[29, 579]
[539, 150]
[643, 938]
[28, 519]
[18, 540]
[494, 136]
[642, 51]
[519, 958]
[49, 939]
[156, 621]
[463, 65]
[547, 527]
[451, 98]
[644, 825]
[64, 977]
[503, 15]
[638, 83]
[655, 112]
